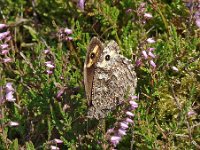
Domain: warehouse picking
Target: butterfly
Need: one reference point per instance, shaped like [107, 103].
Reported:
[108, 77]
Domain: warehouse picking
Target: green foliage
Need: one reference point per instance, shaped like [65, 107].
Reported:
[165, 96]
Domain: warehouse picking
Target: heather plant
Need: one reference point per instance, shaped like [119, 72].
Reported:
[42, 50]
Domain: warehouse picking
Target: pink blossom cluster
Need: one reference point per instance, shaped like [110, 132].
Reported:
[49, 64]
[143, 14]
[64, 34]
[147, 55]
[9, 92]
[50, 67]
[122, 126]
[5, 37]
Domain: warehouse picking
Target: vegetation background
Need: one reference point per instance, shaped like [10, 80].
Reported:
[45, 66]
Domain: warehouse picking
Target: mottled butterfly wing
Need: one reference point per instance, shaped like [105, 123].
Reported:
[114, 78]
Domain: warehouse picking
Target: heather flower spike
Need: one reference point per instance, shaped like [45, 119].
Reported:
[120, 130]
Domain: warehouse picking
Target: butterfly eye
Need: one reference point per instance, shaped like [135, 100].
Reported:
[92, 55]
[107, 57]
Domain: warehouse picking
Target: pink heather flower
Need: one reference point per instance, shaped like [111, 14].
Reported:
[129, 10]
[58, 141]
[138, 62]
[134, 97]
[8, 38]
[142, 5]
[152, 63]
[141, 8]
[122, 132]
[13, 124]
[65, 107]
[2, 26]
[4, 34]
[148, 15]
[81, 4]
[68, 31]
[48, 62]
[60, 92]
[10, 97]
[123, 125]
[9, 87]
[3, 46]
[115, 140]
[69, 38]
[130, 114]
[144, 53]
[129, 120]
[151, 40]
[151, 54]
[46, 51]
[49, 72]
[50, 65]
[191, 113]
[110, 130]
[6, 60]
[4, 52]
[133, 104]
[174, 68]
[9, 92]
[151, 49]
[198, 22]
[54, 147]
